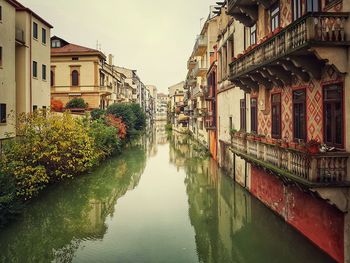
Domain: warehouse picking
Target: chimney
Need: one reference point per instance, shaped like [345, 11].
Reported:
[110, 59]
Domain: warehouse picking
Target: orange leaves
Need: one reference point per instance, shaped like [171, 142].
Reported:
[117, 123]
[56, 105]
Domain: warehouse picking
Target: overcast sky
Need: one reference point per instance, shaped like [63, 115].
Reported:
[155, 37]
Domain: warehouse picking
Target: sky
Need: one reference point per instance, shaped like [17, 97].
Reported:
[154, 37]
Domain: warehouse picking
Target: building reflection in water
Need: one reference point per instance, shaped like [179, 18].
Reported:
[230, 225]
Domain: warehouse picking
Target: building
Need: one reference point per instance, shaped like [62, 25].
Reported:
[151, 102]
[24, 63]
[274, 87]
[197, 82]
[162, 107]
[177, 116]
[80, 72]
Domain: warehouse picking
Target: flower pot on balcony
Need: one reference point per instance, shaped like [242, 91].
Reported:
[293, 145]
[313, 149]
[263, 139]
[270, 35]
[251, 137]
[270, 141]
[284, 145]
[239, 55]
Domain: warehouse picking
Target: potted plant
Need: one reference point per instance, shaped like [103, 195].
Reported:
[284, 143]
[251, 136]
[269, 139]
[313, 146]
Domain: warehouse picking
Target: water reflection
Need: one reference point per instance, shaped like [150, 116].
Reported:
[182, 209]
[230, 225]
[55, 224]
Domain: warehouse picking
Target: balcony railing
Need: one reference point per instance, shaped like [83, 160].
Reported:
[20, 35]
[200, 70]
[312, 170]
[312, 29]
[201, 45]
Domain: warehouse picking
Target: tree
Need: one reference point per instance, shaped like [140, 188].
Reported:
[125, 113]
[140, 122]
[76, 103]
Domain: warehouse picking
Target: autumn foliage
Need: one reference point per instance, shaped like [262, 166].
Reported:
[118, 124]
[56, 105]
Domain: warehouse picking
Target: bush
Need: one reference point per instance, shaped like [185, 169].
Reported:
[105, 137]
[125, 113]
[140, 122]
[10, 206]
[56, 105]
[76, 103]
[97, 114]
[49, 147]
[118, 124]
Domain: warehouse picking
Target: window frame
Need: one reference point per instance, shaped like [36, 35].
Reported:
[299, 9]
[277, 104]
[1, 56]
[43, 72]
[1, 13]
[3, 113]
[35, 31]
[307, 2]
[35, 69]
[52, 78]
[253, 35]
[254, 120]
[333, 102]
[243, 114]
[43, 36]
[275, 16]
[73, 82]
[298, 103]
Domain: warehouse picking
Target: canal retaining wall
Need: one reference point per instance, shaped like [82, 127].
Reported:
[325, 225]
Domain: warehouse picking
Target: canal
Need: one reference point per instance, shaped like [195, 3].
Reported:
[163, 200]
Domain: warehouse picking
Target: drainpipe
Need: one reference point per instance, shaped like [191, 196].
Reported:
[30, 66]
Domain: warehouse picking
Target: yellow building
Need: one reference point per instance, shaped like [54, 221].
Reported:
[81, 72]
[24, 63]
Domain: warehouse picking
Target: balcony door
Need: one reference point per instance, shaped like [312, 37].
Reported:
[313, 5]
[333, 116]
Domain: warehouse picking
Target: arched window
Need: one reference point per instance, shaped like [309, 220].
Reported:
[52, 78]
[75, 78]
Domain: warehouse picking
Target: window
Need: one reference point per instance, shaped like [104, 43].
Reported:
[0, 13]
[329, 2]
[102, 79]
[52, 78]
[75, 78]
[254, 115]
[75, 58]
[275, 16]
[43, 35]
[243, 115]
[43, 73]
[299, 114]
[230, 123]
[55, 43]
[2, 113]
[296, 9]
[0, 56]
[333, 115]
[276, 115]
[35, 69]
[35, 30]
[313, 5]
[35, 107]
[253, 35]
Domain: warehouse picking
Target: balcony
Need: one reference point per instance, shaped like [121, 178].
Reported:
[246, 11]
[20, 36]
[201, 46]
[200, 70]
[309, 170]
[210, 121]
[290, 51]
[191, 63]
[196, 92]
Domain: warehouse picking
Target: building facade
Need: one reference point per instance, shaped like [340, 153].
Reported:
[24, 64]
[277, 115]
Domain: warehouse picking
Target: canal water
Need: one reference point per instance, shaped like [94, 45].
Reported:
[161, 201]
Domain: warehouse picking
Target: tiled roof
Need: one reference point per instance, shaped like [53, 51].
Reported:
[72, 48]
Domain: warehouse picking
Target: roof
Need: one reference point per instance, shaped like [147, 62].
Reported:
[19, 7]
[70, 49]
